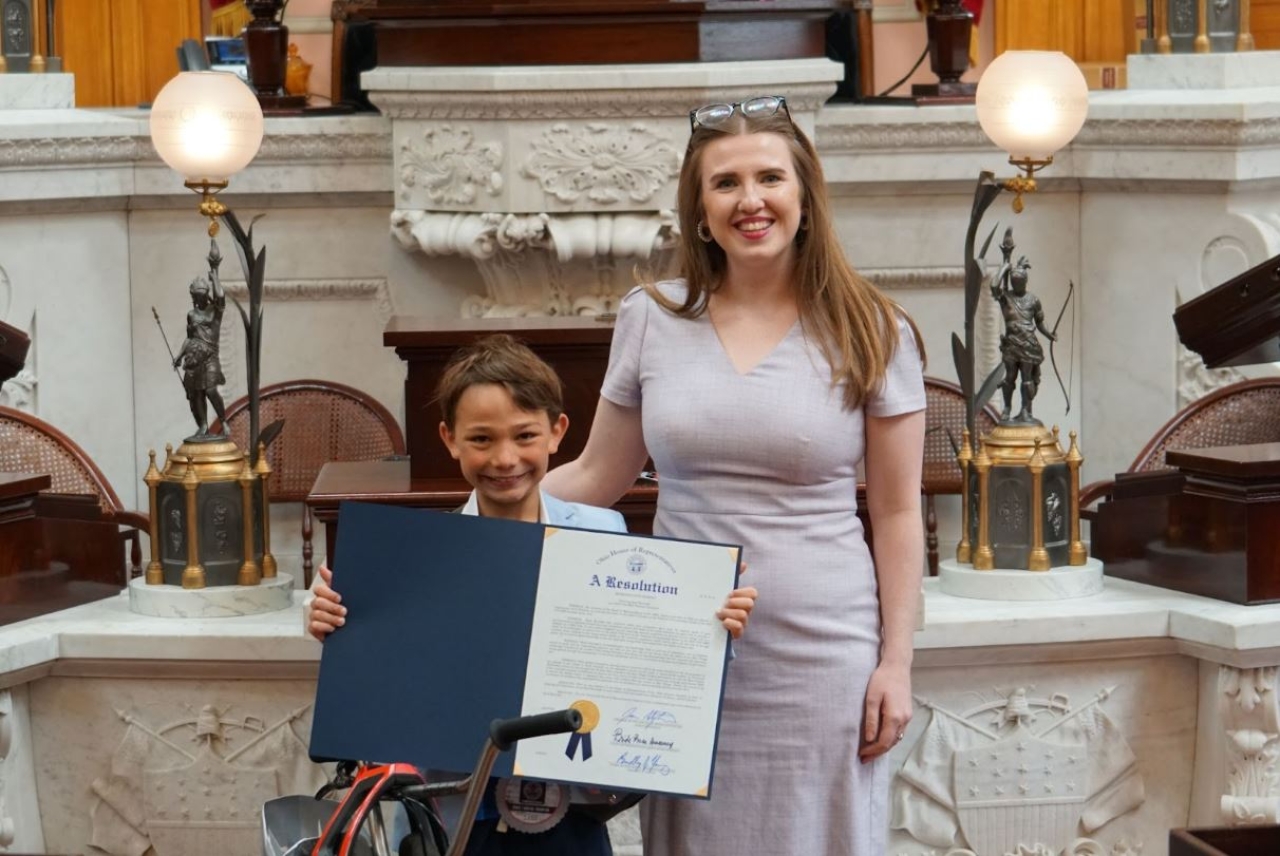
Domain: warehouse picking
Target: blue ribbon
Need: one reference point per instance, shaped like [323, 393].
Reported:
[574, 740]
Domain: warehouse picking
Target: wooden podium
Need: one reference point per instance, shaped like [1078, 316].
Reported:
[1212, 526]
[577, 348]
[56, 550]
[558, 32]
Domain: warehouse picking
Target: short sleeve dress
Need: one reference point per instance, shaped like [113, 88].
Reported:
[768, 459]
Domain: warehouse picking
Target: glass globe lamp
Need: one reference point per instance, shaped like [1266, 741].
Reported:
[1031, 104]
[206, 125]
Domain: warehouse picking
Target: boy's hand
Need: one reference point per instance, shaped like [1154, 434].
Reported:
[326, 612]
[737, 610]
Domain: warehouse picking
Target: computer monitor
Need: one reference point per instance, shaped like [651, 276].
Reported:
[227, 53]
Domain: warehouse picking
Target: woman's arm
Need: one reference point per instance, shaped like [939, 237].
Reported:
[610, 462]
[893, 464]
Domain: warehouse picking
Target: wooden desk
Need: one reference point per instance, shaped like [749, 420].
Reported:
[56, 551]
[390, 482]
[18, 496]
[1212, 527]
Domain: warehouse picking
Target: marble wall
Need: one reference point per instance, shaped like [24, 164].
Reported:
[1165, 193]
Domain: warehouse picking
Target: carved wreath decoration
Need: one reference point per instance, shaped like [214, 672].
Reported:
[449, 168]
[605, 163]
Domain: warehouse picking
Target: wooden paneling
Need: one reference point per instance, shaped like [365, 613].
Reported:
[1107, 30]
[123, 51]
[1085, 30]
[81, 33]
[1266, 24]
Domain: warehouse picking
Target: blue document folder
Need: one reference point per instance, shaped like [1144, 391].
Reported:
[435, 647]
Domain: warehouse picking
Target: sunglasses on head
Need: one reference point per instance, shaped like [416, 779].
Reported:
[760, 107]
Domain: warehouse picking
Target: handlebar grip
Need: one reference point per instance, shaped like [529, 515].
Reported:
[504, 732]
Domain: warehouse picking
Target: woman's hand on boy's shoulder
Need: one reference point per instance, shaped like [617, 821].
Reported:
[326, 612]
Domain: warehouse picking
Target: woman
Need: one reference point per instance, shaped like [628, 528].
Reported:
[756, 382]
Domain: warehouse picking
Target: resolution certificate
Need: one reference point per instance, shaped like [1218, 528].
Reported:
[624, 630]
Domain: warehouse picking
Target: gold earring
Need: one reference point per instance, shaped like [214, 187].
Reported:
[703, 234]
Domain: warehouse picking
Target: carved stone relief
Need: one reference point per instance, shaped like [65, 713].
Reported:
[450, 167]
[1223, 258]
[19, 392]
[545, 264]
[7, 830]
[905, 277]
[196, 786]
[605, 163]
[1249, 716]
[1018, 776]
[1195, 381]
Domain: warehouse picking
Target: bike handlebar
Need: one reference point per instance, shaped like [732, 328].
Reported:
[505, 732]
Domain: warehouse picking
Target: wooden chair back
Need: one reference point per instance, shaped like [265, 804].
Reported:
[323, 421]
[1239, 414]
[29, 444]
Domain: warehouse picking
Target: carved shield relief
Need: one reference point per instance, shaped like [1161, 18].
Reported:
[997, 784]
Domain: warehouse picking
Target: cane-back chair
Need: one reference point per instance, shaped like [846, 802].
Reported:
[31, 445]
[323, 421]
[944, 426]
[1240, 414]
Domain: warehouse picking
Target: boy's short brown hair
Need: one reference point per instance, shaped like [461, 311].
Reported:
[500, 359]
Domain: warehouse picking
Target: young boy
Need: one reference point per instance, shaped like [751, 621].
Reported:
[503, 418]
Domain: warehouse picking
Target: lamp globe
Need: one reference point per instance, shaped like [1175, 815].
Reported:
[206, 125]
[1032, 103]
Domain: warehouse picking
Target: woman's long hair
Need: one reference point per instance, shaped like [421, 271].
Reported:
[853, 323]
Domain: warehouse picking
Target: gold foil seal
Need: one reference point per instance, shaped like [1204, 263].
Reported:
[590, 715]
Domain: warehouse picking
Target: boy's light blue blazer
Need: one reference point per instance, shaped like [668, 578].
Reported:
[557, 512]
[561, 513]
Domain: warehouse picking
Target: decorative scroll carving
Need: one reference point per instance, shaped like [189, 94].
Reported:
[449, 167]
[925, 277]
[69, 151]
[339, 147]
[1019, 776]
[7, 830]
[19, 391]
[604, 162]
[1172, 133]
[925, 135]
[1162, 133]
[1195, 381]
[78, 151]
[1249, 716]
[545, 264]
[197, 785]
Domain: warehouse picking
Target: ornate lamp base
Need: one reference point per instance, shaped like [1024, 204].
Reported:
[1054, 584]
[1026, 507]
[208, 518]
[170, 601]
